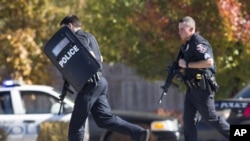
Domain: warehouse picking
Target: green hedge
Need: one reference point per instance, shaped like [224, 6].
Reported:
[3, 135]
[53, 131]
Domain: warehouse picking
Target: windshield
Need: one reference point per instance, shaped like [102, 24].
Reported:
[244, 93]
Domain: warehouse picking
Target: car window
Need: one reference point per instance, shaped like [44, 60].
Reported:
[5, 103]
[36, 102]
[244, 93]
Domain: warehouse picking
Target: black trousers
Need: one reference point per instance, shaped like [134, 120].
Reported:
[202, 101]
[93, 98]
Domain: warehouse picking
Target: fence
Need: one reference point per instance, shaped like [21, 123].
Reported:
[129, 92]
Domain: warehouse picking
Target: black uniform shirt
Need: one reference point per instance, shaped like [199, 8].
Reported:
[89, 41]
[196, 49]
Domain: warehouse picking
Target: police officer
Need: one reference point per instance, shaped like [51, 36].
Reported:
[199, 68]
[93, 97]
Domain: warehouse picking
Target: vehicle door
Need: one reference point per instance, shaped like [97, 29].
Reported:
[39, 107]
[9, 121]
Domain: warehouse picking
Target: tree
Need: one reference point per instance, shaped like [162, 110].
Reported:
[25, 28]
[141, 34]
[232, 61]
[144, 35]
[128, 37]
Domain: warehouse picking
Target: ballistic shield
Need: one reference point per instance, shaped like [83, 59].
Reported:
[71, 58]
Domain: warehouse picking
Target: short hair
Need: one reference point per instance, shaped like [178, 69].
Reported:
[73, 19]
[189, 21]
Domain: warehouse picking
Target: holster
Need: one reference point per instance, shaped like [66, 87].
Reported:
[212, 82]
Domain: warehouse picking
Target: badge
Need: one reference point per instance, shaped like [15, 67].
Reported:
[201, 48]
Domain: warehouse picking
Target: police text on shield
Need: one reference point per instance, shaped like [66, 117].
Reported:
[70, 53]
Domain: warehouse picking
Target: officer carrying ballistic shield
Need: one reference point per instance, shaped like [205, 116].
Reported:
[92, 92]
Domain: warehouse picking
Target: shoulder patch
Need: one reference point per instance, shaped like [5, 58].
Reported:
[207, 56]
[201, 48]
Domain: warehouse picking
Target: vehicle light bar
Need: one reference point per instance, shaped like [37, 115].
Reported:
[11, 83]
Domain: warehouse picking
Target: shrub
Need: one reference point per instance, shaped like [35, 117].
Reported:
[3, 135]
[53, 131]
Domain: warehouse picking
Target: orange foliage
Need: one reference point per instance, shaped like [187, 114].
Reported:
[17, 56]
[237, 23]
[152, 18]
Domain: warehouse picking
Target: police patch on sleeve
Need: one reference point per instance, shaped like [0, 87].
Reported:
[201, 48]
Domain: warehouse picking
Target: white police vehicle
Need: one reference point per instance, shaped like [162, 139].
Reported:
[24, 107]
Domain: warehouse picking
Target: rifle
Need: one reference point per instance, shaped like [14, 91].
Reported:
[173, 71]
[63, 94]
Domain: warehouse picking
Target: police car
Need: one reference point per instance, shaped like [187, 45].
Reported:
[235, 110]
[24, 107]
[238, 107]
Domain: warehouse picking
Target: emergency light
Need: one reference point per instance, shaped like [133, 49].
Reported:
[11, 83]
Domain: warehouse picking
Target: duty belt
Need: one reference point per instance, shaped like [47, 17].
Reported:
[197, 82]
